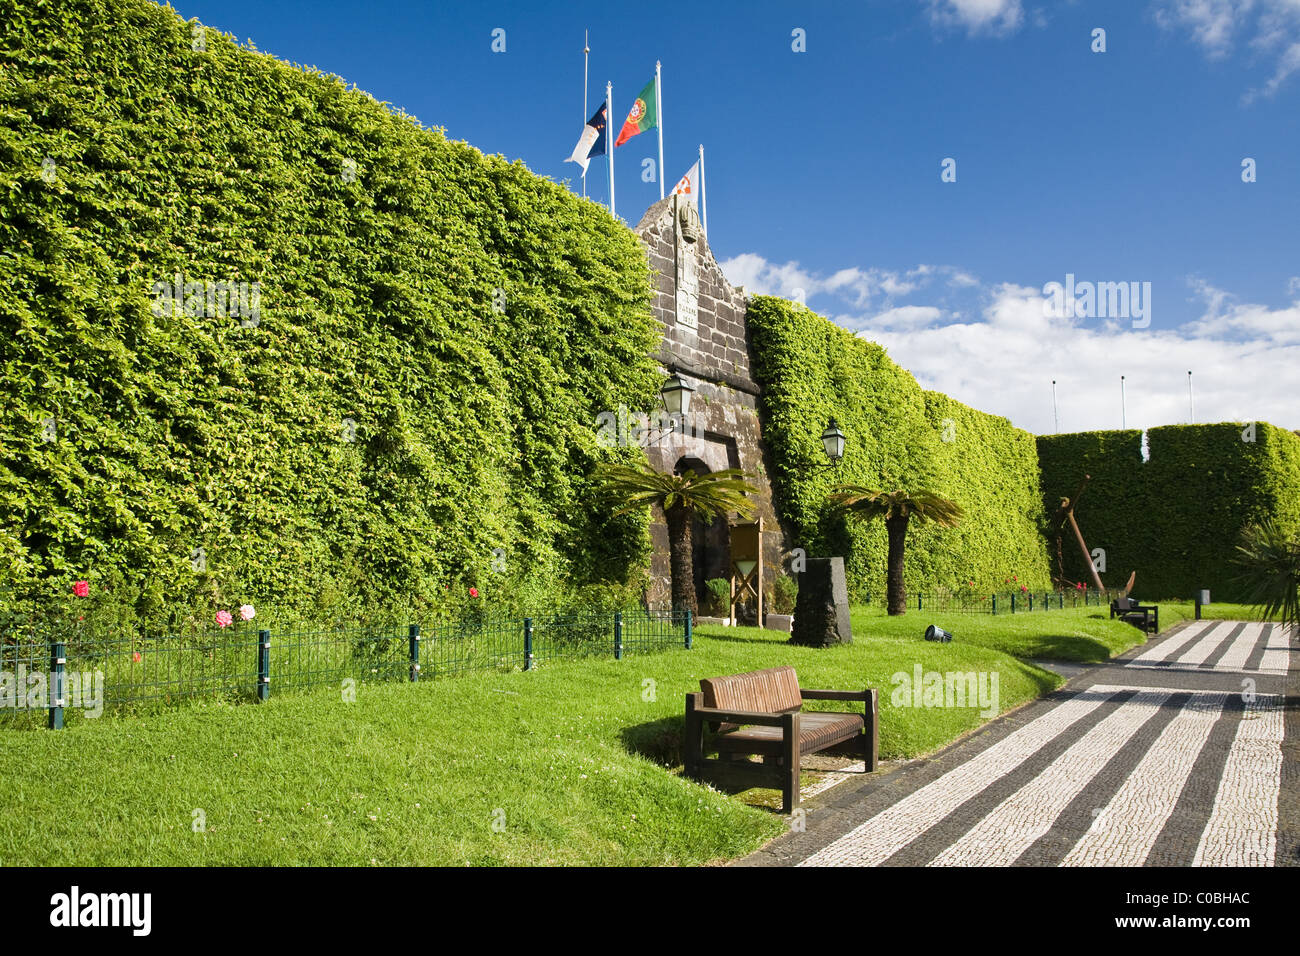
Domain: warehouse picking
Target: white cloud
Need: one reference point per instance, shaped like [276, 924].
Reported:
[1225, 317]
[1002, 358]
[905, 317]
[863, 288]
[978, 16]
[1270, 27]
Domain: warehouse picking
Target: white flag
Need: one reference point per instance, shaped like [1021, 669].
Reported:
[592, 141]
[690, 184]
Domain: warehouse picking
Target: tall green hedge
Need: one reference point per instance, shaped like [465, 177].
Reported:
[379, 247]
[898, 436]
[1176, 518]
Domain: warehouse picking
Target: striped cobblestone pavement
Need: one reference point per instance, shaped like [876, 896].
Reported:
[1180, 753]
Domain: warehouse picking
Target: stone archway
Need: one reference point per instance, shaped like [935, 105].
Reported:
[711, 541]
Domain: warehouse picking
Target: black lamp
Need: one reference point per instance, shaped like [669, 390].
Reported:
[833, 442]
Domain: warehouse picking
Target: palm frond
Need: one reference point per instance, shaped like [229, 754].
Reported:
[715, 494]
[921, 505]
[1269, 560]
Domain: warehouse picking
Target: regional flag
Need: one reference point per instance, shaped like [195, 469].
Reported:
[592, 141]
[644, 114]
[690, 184]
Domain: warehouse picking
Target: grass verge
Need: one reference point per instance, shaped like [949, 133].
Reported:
[574, 763]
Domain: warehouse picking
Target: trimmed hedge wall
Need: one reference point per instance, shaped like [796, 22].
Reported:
[1176, 518]
[898, 436]
[379, 248]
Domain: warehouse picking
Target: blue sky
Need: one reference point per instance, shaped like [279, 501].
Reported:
[823, 168]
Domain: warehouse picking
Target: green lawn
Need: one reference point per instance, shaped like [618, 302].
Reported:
[1213, 612]
[574, 763]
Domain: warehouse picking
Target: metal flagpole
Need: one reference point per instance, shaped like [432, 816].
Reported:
[1055, 419]
[1191, 405]
[609, 141]
[659, 108]
[704, 213]
[1123, 419]
[586, 52]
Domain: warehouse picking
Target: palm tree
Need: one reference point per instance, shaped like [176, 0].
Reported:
[897, 508]
[681, 497]
[1269, 559]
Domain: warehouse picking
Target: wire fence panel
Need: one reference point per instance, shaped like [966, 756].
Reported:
[61, 668]
[303, 659]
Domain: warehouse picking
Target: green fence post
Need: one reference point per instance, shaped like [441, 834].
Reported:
[1013, 602]
[1031, 599]
[918, 602]
[1061, 603]
[528, 643]
[58, 657]
[995, 605]
[688, 629]
[618, 635]
[415, 652]
[263, 665]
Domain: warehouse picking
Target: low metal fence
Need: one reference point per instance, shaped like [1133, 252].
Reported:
[47, 678]
[999, 602]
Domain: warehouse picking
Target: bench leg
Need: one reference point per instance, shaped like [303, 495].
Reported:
[693, 742]
[871, 737]
[790, 758]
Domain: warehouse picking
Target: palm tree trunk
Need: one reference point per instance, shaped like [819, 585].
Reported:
[894, 589]
[681, 558]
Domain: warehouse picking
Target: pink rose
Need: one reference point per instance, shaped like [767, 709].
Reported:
[224, 619]
[81, 588]
[246, 612]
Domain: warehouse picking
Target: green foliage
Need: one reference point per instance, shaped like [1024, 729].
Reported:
[1177, 518]
[720, 591]
[898, 436]
[785, 592]
[474, 427]
[1269, 559]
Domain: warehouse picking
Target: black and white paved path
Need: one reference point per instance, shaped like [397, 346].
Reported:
[1183, 752]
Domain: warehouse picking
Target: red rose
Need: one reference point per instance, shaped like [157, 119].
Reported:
[473, 592]
[81, 588]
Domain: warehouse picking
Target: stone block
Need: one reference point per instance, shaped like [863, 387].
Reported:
[821, 612]
[778, 622]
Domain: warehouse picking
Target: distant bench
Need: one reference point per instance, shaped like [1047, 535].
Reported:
[761, 713]
[1145, 617]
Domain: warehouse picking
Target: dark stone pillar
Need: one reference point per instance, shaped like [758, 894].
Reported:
[821, 613]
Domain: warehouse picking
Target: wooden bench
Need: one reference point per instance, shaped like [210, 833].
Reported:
[761, 713]
[1145, 617]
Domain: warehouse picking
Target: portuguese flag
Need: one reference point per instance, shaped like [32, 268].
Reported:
[643, 116]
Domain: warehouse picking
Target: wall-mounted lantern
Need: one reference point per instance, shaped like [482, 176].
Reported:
[677, 395]
[833, 442]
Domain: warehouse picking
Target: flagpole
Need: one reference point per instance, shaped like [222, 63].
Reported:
[704, 213]
[609, 141]
[659, 106]
[586, 52]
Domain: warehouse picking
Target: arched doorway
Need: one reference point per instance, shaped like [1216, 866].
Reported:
[711, 542]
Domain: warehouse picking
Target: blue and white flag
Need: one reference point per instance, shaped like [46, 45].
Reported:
[592, 141]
